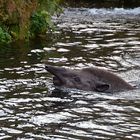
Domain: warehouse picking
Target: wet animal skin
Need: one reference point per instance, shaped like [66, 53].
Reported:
[89, 79]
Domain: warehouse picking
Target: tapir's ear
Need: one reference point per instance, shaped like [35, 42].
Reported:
[101, 87]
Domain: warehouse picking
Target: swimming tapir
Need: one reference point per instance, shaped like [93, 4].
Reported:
[89, 79]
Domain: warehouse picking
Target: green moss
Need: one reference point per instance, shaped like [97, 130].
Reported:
[26, 19]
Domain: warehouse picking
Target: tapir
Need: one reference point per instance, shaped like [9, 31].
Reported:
[88, 79]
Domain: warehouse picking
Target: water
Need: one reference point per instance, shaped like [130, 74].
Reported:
[31, 107]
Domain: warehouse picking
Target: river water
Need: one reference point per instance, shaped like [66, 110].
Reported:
[31, 107]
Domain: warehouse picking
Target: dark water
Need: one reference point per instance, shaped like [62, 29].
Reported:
[31, 108]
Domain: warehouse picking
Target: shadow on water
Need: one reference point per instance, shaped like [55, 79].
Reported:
[30, 106]
[103, 3]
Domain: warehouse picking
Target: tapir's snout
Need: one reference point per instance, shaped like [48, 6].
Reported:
[58, 73]
[47, 67]
[50, 68]
[55, 70]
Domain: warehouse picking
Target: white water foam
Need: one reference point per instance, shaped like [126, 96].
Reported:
[116, 11]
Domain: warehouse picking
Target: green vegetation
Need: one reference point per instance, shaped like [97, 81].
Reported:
[41, 19]
[40, 22]
[5, 37]
[21, 20]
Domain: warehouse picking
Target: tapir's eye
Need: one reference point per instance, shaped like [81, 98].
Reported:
[77, 79]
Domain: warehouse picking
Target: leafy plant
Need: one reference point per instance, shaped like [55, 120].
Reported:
[5, 37]
[40, 22]
[41, 19]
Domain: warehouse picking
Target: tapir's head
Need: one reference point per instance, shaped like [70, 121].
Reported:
[75, 79]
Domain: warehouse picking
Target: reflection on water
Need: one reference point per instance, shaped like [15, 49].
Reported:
[31, 108]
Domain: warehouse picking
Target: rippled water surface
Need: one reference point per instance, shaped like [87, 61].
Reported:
[30, 106]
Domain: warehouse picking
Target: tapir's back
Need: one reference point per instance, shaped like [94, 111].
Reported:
[116, 83]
